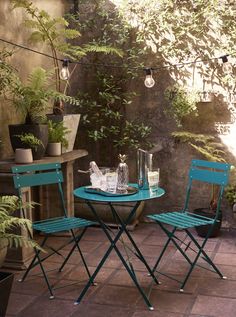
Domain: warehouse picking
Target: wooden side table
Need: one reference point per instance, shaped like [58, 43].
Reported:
[18, 257]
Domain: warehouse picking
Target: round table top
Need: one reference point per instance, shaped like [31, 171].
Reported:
[142, 194]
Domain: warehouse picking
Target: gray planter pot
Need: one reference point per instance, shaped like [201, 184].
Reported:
[40, 131]
[71, 122]
[54, 149]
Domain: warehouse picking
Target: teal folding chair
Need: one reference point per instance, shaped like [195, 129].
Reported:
[40, 175]
[201, 171]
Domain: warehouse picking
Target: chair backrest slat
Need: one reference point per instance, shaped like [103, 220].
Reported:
[215, 173]
[39, 175]
[212, 165]
[30, 179]
[209, 172]
[35, 167]
[212, 177]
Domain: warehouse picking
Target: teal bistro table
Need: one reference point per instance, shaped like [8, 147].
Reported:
[115, 236]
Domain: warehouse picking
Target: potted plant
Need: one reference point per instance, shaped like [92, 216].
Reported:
[208, 147]
[8, 205]
[30, 147]
[32, 99]
[56, 137]
[56, 34]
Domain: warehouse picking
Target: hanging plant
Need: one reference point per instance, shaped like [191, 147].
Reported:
[182, 102]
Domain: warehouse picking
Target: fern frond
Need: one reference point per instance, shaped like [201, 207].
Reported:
[38, 78]
[103, 49]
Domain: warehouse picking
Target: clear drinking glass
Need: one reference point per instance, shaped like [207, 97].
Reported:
[153, 179]
[111, 180]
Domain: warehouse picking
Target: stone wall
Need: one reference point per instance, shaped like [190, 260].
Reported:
[11, 29]
[173, 159]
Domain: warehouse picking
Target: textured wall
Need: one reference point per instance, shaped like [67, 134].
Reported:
[12, 30]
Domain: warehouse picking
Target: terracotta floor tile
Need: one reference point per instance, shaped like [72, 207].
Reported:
[18, 302]
[214, 306]
[205, 294]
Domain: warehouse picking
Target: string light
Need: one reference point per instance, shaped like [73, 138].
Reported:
[227, 66]
[149, 82]
[206, 96]
[65, 73]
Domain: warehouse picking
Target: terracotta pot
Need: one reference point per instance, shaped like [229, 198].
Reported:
[23, 156]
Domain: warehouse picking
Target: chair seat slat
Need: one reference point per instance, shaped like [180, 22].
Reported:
[180, 220]
[62, 224]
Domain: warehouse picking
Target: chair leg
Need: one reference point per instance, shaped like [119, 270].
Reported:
[163, 250]
[201, 251]
[76, 245]
[206, 257]
[32, 264]
[172, 237]
[80, 252]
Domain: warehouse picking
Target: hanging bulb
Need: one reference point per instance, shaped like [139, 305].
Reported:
[206, 96]
[227, 66]
[65, 73]
[149, 82]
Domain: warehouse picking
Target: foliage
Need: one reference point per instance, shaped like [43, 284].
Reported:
[33, 98]
[9, 204]
[30, 140]
[182, 31]
[182, 102]
[57, 133]
[104, 118]
[205, 145]
[7, 73]
[57, 35]
[230, 190]
[106, 101]
[208, 147]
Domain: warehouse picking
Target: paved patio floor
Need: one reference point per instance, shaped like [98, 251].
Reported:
[116, 296]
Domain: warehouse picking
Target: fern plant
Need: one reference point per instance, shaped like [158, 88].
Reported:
[8, 205]
[56, 34]
[205, 145]
[33, 99]
[209, 148]
[30, 140]
[57, 133]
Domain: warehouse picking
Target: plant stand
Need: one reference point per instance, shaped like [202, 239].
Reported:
[6, 280]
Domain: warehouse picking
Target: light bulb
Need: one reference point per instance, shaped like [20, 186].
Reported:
[227, 66]
[65, 73]
[149, 82]
[206, 96]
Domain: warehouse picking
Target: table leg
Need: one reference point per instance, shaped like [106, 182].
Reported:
[113, 246]
[138, 254]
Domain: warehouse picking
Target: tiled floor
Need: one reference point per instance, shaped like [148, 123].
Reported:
[116, 296]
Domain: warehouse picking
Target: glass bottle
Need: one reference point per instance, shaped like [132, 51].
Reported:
[123, 175]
